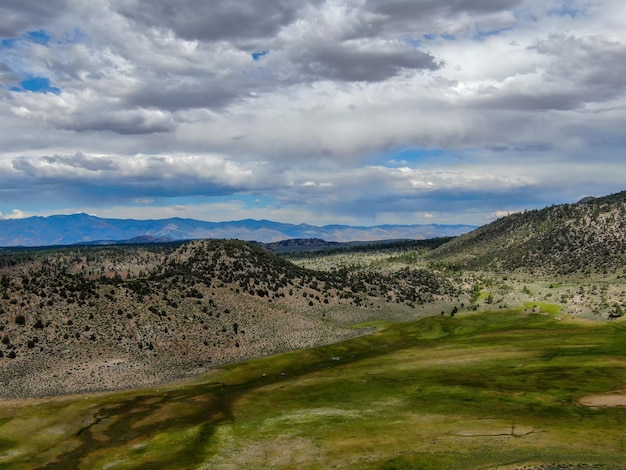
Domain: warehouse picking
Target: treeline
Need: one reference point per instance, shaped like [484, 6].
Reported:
[383, 247]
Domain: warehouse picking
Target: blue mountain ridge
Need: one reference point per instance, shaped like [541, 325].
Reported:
[84, 228]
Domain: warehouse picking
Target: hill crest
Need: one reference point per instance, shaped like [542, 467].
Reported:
[589, 236]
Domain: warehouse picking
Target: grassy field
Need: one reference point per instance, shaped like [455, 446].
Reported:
[495, 389]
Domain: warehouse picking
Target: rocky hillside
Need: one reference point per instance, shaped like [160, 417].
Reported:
[586, 237]
[96, 318]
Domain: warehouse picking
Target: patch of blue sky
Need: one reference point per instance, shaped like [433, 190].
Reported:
[416, 156]
[426, 158]
[250, 201]
[40, 37]
[242, 200]
[435, 37]
[36, 85]
[427, 38]
[257, 55]
[480, 35]
[417, 43]
[75, 36]
[568, 8]
[9, 43]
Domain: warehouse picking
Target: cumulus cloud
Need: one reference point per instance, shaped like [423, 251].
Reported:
[19, 17]
[198, 19]
[137, 177]
[309, 106]
[499, 214]
[15, 214]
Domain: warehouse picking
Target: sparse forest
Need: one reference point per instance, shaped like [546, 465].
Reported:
[170, 310]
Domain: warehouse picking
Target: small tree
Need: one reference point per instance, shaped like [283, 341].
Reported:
[618, 311]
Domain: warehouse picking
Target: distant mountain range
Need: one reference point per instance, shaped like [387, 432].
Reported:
[84, 228]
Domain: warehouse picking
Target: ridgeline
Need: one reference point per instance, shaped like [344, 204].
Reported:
[586, 237]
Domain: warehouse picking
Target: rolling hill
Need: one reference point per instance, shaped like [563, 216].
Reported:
[586, 237]
[106, 317]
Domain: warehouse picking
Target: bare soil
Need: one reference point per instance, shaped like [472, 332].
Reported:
[609, 400]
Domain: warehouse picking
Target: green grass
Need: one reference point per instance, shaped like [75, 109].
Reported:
[543, 307]
[471, 391]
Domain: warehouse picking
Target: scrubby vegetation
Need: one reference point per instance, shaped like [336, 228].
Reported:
[585, 238]
[106, 317]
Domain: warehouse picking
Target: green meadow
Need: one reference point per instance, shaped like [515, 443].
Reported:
[486, 390]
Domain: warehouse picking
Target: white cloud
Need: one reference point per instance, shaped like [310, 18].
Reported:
[500, 214]
[15, 214]
[507, 100]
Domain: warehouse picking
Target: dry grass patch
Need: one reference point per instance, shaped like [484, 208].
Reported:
[608, 400]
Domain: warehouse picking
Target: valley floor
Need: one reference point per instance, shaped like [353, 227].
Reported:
[506, 389]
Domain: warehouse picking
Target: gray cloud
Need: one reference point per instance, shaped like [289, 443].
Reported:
[7, 76]
[131, 122]
[216, 20]
[522, 147]
[79, 161]
[19, 17]
[466, 94]
[594, 64]
[363, 62]
[581, 70]
[418, 8]
[175, 96]
[92, 177]
[434, 16]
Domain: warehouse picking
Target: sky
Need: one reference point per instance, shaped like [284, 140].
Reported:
[360, 112]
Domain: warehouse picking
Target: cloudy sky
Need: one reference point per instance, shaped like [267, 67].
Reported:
[321, 111]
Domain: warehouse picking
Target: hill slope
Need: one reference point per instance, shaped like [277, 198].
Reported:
[83, 228]
[98, 318]
[589, 236]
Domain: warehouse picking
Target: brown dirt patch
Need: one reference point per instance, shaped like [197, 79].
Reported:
[608, 400]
